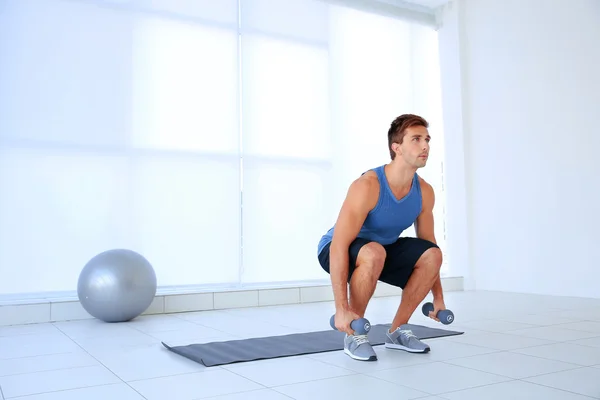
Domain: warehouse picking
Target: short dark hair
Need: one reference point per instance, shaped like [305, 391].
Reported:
[398, 129]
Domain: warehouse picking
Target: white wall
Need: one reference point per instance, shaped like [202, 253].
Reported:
[456, 253]
[530, 79]
[145, 135]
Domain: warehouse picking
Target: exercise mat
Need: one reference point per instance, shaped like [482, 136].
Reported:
[242, 350]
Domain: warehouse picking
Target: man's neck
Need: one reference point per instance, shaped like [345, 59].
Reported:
[399, 176]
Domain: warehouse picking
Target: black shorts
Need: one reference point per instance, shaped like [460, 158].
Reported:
[400, 260]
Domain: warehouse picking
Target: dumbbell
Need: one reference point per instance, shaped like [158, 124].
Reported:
[445, 316]
[360, 326]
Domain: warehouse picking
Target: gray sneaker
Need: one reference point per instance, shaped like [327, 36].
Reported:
[359, 348]
[404, 339]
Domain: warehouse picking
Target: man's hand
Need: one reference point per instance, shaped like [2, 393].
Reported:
[343, 318]
[438, 305]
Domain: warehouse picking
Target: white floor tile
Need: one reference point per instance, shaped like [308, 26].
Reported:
[580, 314]
[90, 328]
[25, 365]
[592, 342]
[430, 398]
[30, 329]
[513, 390]
[512, 365]
[191, 336]
[301, 317]
[238, 325]
[538, 320]
[154, 361]
[499, 341]
[161, 323]
[437, 378]
[52, 381]
[118, 391]
[215, 318]
[465, 327]
[466, 331]
[566, 352]
[287, 371]
[496, 325]
[349, 387]
[386, 359]
[585, 326]
[554, 333]
[262, 394]
[444, 349]
[266, 314]
[96, 345]
[36, 345]
[199, 385]
[582, 381]
[526, 335]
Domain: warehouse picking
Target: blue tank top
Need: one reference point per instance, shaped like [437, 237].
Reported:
[390, 217]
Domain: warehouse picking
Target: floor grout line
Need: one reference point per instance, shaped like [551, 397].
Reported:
[101, 363]
[554, 387]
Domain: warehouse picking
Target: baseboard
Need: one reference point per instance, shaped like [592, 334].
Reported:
[66, 307]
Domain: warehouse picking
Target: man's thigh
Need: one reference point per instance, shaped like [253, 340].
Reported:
[401, 258]
[353, 250]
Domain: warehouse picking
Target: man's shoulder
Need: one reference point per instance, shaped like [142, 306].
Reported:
[427, 193]
[425, 186]
[369, 175]
[365, 188]
[368, 181]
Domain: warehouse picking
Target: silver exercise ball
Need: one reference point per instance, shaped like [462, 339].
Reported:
[116, 285]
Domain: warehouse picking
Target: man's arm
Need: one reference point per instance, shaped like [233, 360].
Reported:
[361, 198]
[424, 226]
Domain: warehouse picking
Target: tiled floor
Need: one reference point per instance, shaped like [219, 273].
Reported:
[514, 347]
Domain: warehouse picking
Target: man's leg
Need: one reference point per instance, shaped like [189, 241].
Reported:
[424, 275]
[368, 259]
[366, 262]
[369, 264]
[413, 265]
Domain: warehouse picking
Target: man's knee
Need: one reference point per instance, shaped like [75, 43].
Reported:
[372, 254]
[431, 259]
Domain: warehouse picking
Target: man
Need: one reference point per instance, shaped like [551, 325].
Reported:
[364, 244]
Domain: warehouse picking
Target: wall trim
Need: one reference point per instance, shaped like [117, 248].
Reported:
[66, 307]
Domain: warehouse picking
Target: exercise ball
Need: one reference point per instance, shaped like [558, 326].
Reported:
[116, 285]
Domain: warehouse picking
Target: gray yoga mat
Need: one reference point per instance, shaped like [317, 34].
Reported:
[235, 351]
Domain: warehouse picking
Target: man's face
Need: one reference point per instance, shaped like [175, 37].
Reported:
[415, 146]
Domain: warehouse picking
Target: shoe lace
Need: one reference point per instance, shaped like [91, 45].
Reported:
[360, 339]
[407, 333]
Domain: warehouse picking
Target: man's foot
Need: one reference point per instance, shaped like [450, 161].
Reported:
[404, 339]
[359, 348]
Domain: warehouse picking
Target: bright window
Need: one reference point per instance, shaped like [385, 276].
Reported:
[217, 138]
